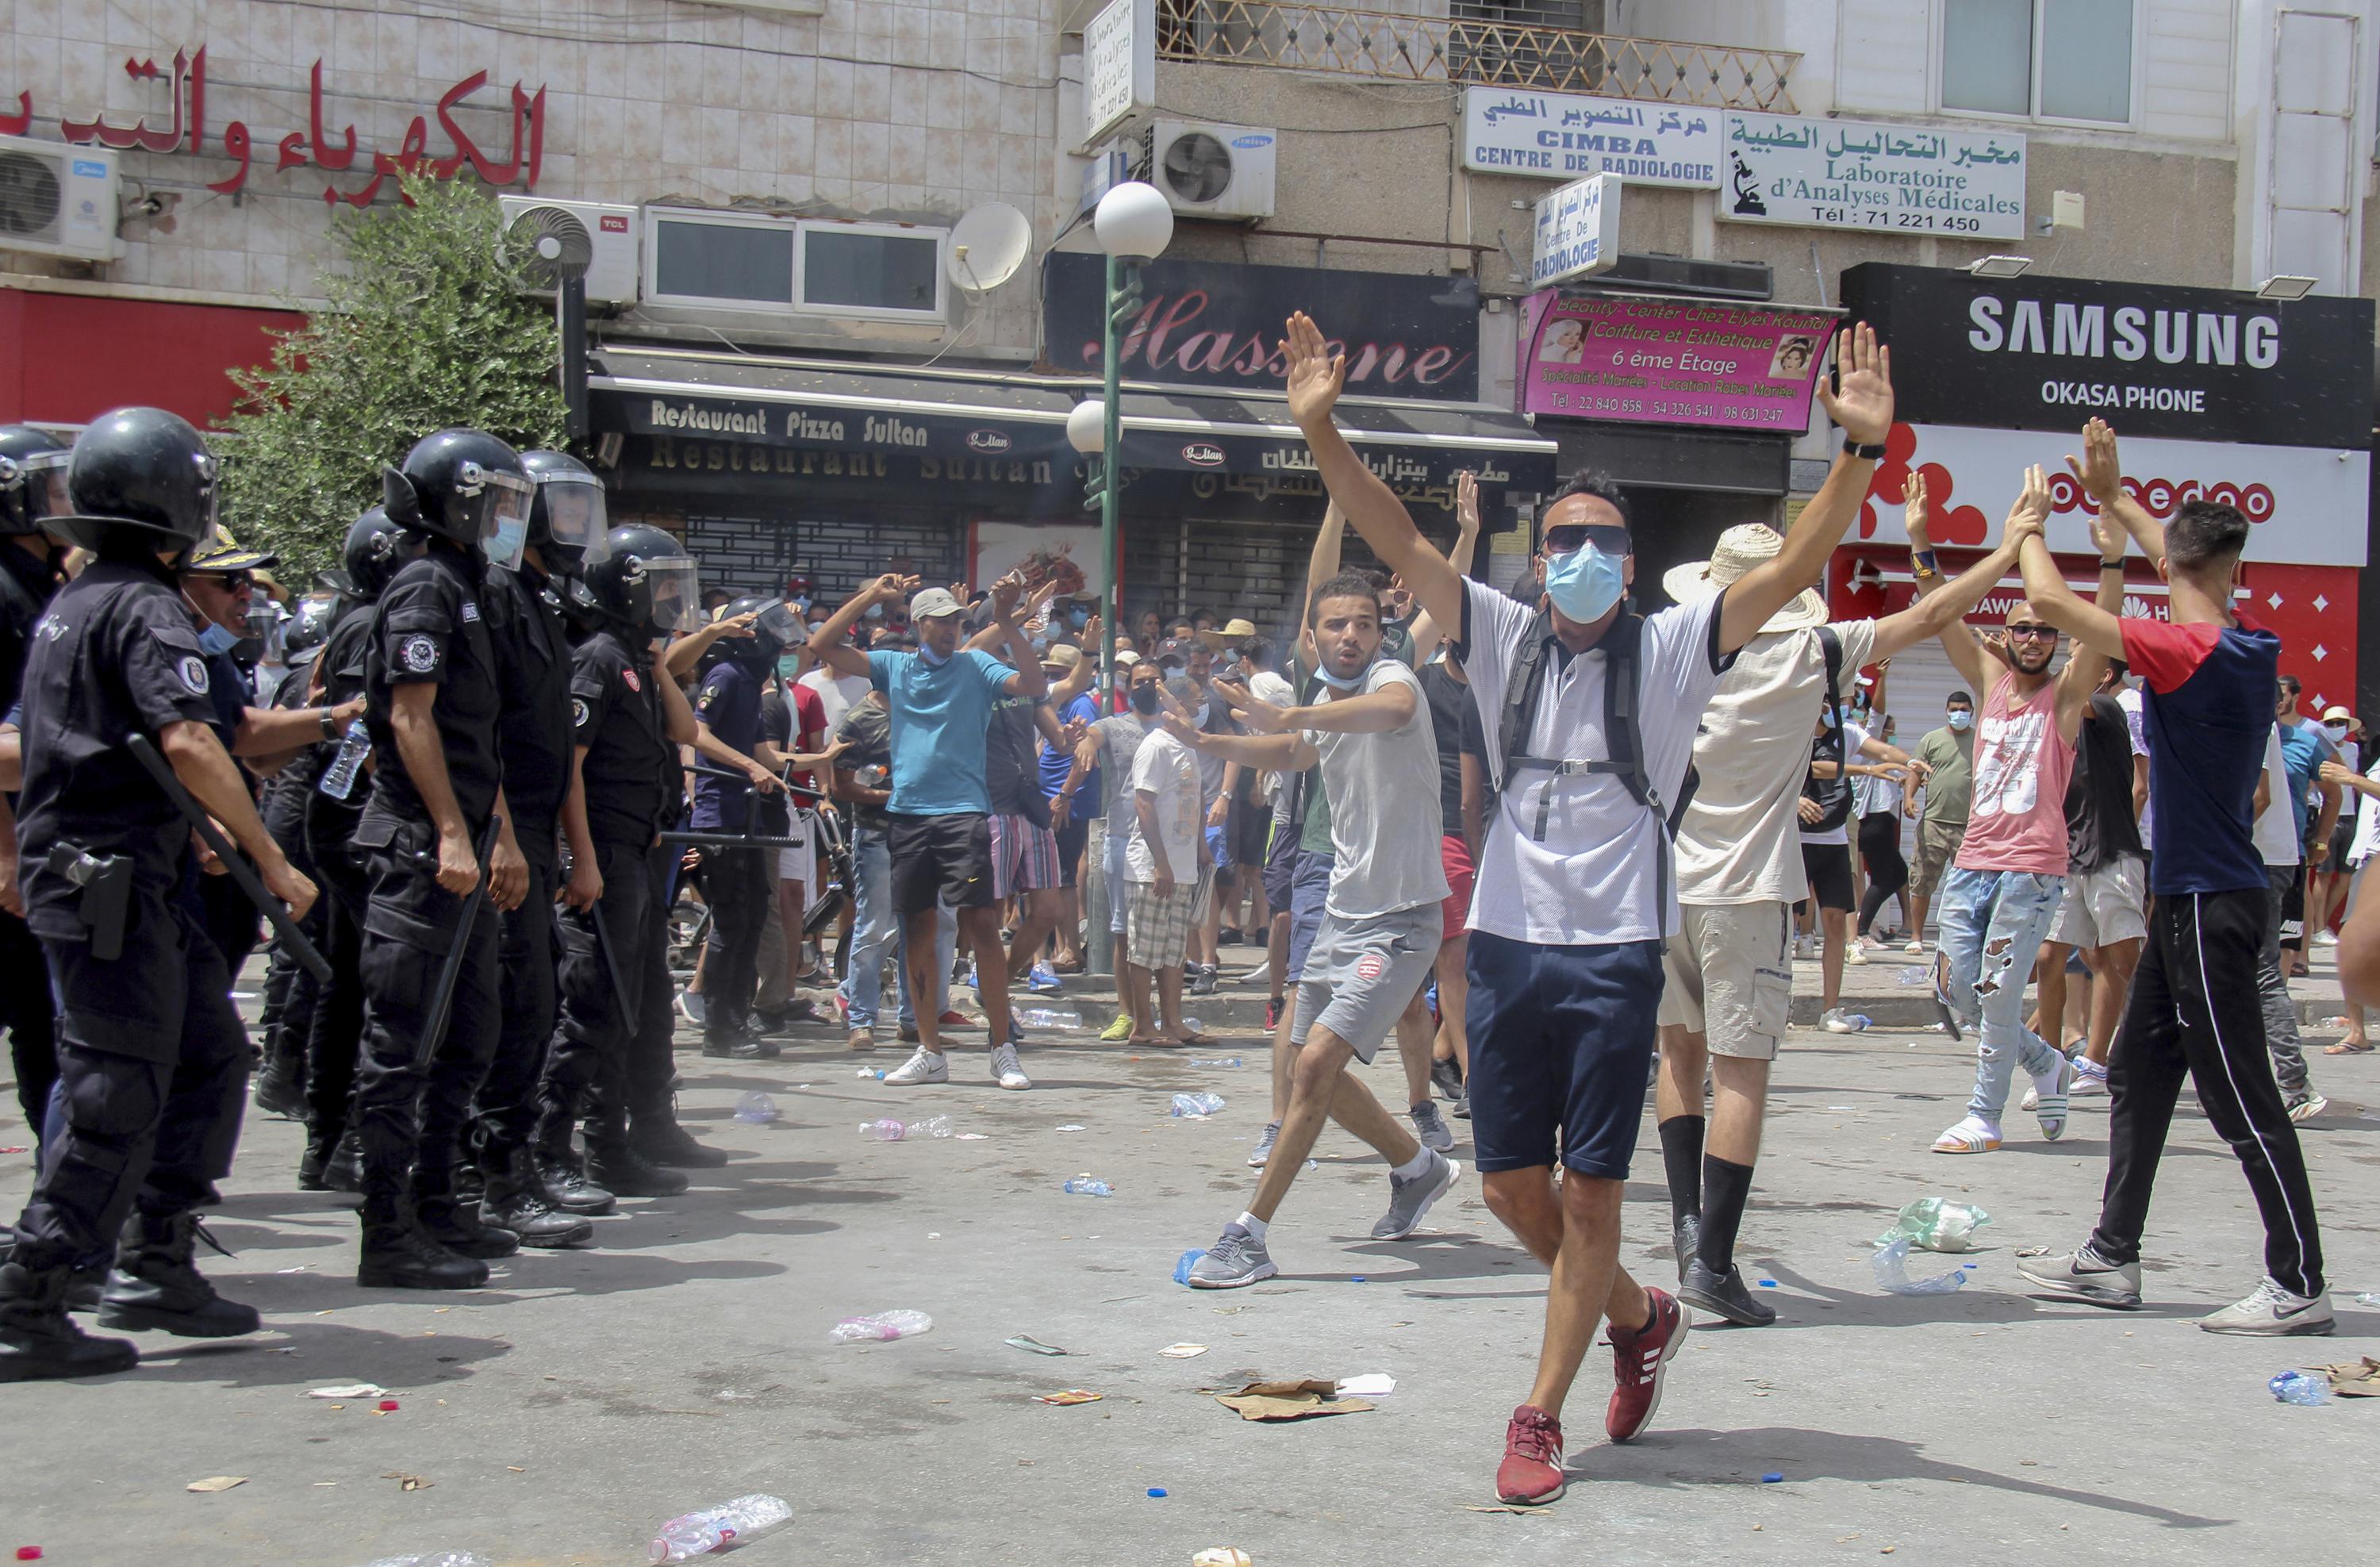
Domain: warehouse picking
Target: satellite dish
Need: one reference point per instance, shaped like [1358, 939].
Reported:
[987, 246]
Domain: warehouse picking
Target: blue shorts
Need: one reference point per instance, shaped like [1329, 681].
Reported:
[1219, 847]
[1309, 884]
[1562, 1043]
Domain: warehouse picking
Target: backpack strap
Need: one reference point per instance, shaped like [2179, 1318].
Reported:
[1832, 646]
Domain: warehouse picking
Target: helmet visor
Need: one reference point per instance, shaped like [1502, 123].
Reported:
[504, 501]
[676, 593]
[43, 477]
[575, 515]
[781, 625]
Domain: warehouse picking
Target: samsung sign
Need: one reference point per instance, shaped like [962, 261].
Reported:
[2194, 364]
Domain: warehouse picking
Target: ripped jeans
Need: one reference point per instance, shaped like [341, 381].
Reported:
[1993, 922]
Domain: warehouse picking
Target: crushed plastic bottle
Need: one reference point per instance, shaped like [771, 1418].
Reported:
[1193, 1024]
[1226, 1063]
[1064, 1020]
[1083, 1185]
[1891, 1265]
[2301, 1386]
[1937, 1224]
[426, 1559]
[885, 1131]
[883, 1326]
[1200, 1104]
[1913, 975]
[1183, 1265]
[756, 1108]
[697, 1534]
[2368, 1298]
[872, 1072]
[1861, 1022]
[932, 1126]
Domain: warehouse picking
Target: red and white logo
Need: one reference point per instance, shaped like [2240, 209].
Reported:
[1203, 454]
[1371, 966]
[614, 223]
[628, 679]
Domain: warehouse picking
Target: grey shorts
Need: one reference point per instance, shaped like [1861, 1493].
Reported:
[1728, 977]
[1361, 974]
[2104, 907]
[1938, 848]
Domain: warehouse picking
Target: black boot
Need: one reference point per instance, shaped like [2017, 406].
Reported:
[281, 1087]
[516, 1202]
[39, 1341]
[345, 1173]
[662, 1141]
[314, 1163]
[469, 1185]
[564, 1184]
[730, 1044]
[157, 1286]
[448, 1219]
[621, 1169]
[398, 1256]
[85, 1286]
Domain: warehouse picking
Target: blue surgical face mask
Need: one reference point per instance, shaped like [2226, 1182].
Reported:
[217, 640]
[1078, 616]
[934, 660]
[1340, 682]
[1960, 719]
[509, 540]
[790, 666]
[1585, 583]
[1199, 715]
[875, 612]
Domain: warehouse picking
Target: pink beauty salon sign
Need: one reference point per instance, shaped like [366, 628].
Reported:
[1671, 361]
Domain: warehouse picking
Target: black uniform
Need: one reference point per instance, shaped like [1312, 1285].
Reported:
[286, 1018]
[151, 1058]
[334, 1038]
[533, 661]
[740, 882]
[617, 1041]
[25, 585]
[431, 631]
[222, 911]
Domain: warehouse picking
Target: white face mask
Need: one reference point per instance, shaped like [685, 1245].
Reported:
[1960, 719]
[2336, 732]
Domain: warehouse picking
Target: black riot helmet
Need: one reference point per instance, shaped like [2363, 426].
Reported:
[778, 628]
[139, 471]
[646, 583]
[464, 486]
[307, 629]
[567, 518]
[33, 477]
[374, 550]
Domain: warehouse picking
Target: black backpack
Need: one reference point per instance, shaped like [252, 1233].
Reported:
[1833, 795]
[1620, 646]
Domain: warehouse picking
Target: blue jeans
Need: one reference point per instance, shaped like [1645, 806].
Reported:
[1993, 922]
[876, 931]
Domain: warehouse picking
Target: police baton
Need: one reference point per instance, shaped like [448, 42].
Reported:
[292, 939]
[450, 973]
[610, 960]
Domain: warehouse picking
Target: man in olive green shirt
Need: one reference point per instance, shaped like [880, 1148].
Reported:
[1951, 752]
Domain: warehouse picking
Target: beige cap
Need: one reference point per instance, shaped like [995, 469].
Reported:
[933, 603]
[1741, 548]
[1062, 659]
[1232, 632]
[2336, 713]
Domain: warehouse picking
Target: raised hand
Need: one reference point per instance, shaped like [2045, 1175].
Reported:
[1863, 404]
[1005, 594]
[2101, 476]
[1913, 508]
[1466, 501]
[891, 589]
[2029, 515]
[1251, 710]
[1316, 375]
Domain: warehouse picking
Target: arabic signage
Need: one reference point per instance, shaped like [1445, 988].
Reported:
[1665, 361]
[1214, 324]
[1562, 135]
[1578, 231]
[332, 153]
[1119, 64]
[2046, 353]
[1893, 179]
[2305, 506]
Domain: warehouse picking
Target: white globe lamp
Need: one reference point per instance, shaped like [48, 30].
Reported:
[1086, 427]
[1134, 221]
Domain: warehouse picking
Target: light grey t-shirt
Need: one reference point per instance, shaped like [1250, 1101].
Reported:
[1383, 794]
[1120, 734]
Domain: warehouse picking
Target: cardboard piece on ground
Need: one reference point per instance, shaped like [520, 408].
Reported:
[2353, 1379]
[1072, 1395]
[1290, 1399]
[216, 1483]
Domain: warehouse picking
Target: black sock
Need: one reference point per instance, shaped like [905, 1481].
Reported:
[1681, 1155]
[1728, 1187]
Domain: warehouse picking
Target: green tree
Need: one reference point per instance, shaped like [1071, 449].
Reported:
[423, 326]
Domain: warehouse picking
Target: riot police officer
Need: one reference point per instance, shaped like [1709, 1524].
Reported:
[628, 720]
[151, 1057]
[566, 534]
[287, 1016]
[739, 881]
[432, 703]
[32, 488]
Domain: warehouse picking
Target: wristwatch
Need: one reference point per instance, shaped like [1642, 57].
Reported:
[1922, 566]
[2115, 564]
[1866, 454]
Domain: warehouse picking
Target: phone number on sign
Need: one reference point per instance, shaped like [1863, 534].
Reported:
[1668, 407]
[1903, 222]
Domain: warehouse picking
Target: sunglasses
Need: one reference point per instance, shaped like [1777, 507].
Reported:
[233, 581]
[2033, 633]
[1563, 541]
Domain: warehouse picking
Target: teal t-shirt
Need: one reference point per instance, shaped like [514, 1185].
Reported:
[940, 713]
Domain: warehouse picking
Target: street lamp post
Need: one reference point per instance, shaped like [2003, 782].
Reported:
[1133, 223]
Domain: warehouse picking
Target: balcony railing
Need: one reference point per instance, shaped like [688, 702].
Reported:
[1492, 53]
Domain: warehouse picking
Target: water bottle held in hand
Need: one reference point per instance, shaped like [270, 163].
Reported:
[339, 778]
[697, 1534]
[880, 1326]
[1197, 1104]
[1083, 1185]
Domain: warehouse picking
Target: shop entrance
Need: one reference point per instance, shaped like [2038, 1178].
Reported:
[1677, 526]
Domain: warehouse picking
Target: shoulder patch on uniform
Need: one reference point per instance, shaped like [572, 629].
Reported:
[193, 671]
[420, 653]
[470, 611]
[49, 629]
[628, 679]
[578, 712]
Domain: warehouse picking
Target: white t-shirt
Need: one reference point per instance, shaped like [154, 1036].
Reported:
[1853, 738]
[1592, 880]
[1736, 841]
[2275, 833]
[836, 693]
[2129, 698]
[1385, 823]
[2349, 756]
[1167, 769]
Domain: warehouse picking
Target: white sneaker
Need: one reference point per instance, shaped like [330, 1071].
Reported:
[1855, 952]
[2032, 1099]
[2327, 939]
[2090, 1081]
[2272, 1312]
[1916, 947]
[1801, 948]
[1006, 1070]
[1840, 1021]
[2306, 1109]
[923, 1066]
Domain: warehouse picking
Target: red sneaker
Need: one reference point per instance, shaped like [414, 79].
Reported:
[957, 1020]
[1640, 1359]
[1531, 1470]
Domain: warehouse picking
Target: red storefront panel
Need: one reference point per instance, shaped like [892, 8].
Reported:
[66, 358]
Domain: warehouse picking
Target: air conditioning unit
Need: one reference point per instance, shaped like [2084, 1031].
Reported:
[57, 200]
[1210, 171]
[614, 240]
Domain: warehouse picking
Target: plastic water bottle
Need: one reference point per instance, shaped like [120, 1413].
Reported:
[1083, 1185]
[339, 778]
[1194, 1025]
[2300, 1387]
[880, 1326]
[1227, 1063]
[756, 1108]
[932, 1126]
[886, 1131]
[1189, 1260]
[433, 1559]
[1891, 1265]
[1197, 1104]
[699, 1532]
[1915, 976]
[1063, 1020]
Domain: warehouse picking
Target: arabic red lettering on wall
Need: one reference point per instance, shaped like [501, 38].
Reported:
[332, 153]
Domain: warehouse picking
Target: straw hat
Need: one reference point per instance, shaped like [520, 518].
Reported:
[1741, 548]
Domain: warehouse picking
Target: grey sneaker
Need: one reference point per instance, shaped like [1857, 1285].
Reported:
[1263, 1150]
[1431, 1127]
[1408, 1200]
[1006, 1070]
[2273, 1312]
[2306, 1105]
[1235, 1260]
[2083, 1274]
[923, 1066]
[1724, 1294]
[1685, 1234]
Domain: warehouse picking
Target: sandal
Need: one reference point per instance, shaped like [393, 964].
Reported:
[2343, 1047]
[1968, 1136]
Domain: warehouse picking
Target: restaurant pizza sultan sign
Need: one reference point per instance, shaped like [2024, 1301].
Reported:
[182, 128]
